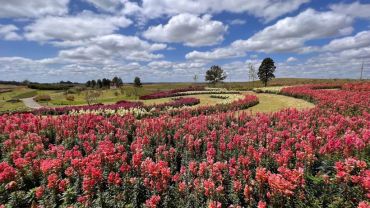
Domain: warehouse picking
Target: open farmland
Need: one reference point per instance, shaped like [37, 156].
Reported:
[193, 157]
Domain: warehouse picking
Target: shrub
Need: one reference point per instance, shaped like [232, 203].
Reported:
[70, 97]
[42, 98]
[219, 96]
[13, 101]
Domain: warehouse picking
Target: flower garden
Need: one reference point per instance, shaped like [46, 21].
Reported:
[181, 156]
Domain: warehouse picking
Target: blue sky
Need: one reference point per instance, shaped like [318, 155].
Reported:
[169, 41]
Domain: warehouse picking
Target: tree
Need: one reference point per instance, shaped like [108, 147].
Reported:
[106, 82]
[93, 83]
[137, 82]
[116, 81]
[215, 74]
[99, 83]
[266, 70]
[195, 78]
[252, 73]
[119, 82]
[88, 83]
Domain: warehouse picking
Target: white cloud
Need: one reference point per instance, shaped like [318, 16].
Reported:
[9, 32]
[32, 8]
[109, 47]
[74, 28]
[266, 9]
[286, 35]
[291, 59]
[238, 22]
[106, 5]
[355, 9]
[360, 40]
[188, 29]
[290, 34]
[218, 53]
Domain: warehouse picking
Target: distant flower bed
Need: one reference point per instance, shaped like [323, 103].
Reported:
[67, 109]
[169, 93]
[365, 86]
[207, 92]
[135, 108]
[180, 106]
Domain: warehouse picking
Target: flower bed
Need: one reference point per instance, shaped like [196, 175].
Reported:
[67, 109]
[313, 158]
[365, 86]
[177, 107]
[343, 101]
[169, 93]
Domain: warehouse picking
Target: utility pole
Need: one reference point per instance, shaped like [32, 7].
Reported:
[362, 69]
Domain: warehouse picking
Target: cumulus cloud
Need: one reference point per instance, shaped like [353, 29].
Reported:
[74, 28]
[9, 32]
[291, 59]
[355, 9]
[188, 29]
[32, 8]
[112, 46]
[106, 5]
[238, 22]
[267, 9]
[218, 53]
[286, 35]
[360, 40]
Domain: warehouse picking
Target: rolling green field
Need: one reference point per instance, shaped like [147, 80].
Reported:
[268, 102]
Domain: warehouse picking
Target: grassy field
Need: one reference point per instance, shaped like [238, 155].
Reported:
[16, 93]
[128, 92]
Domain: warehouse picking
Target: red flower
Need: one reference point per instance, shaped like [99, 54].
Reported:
[215, 204]
[153, 201]
[262, 204]
[52, 180]
[39, 192]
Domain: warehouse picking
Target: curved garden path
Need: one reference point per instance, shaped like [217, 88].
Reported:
[30, 103]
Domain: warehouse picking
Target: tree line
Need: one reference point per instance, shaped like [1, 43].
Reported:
[107, 83]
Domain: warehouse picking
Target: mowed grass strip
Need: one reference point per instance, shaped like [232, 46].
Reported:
[269, 103]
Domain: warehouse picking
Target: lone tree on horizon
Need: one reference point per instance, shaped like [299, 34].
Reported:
[215, 74]
[137, 82]
[266, 70]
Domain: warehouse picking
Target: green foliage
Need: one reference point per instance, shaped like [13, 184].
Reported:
[215, 74]
[50, 86]
[137, 82]
[70, 97]
[266, 70]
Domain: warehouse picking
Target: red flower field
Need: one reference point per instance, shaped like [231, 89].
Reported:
[201, 157]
